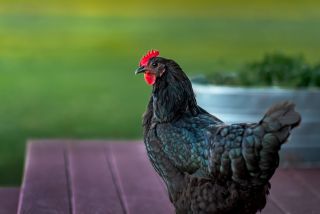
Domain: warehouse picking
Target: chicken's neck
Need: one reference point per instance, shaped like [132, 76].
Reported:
[172, 96]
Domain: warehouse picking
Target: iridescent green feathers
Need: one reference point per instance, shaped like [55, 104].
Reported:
[249, 152]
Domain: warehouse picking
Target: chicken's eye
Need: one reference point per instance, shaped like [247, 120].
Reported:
[154, 64]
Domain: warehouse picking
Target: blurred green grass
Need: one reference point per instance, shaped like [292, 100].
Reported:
[66, 69]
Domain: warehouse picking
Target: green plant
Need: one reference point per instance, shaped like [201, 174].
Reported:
[273, 70]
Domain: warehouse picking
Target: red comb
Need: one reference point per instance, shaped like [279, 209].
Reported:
[145, 59]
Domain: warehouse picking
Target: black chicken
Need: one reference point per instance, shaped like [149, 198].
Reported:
[207, 165]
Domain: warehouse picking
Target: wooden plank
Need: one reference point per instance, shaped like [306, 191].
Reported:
[310, 178]
[92, 186]
[291, 196]
[271, 207]
[118, 178]
[9, 197]
[139, 185]
[45, 186]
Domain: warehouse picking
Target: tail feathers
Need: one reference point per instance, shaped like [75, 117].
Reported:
[281, 118]
[277, 124]
[284, 114]
[243, 150]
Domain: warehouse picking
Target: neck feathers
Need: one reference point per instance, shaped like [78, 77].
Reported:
[172, 97]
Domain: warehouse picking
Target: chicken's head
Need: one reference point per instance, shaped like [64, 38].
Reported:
[152, 66]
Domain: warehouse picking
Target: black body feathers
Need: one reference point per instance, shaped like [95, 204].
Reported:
[208, 166]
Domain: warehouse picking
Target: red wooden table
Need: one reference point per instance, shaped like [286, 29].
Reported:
[93, 177]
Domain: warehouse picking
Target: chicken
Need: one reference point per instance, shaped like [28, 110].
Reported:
[207, 165]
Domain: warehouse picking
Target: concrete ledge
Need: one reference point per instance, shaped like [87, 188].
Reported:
[235, 104]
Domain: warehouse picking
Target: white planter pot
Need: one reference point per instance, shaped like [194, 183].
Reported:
[236, 104]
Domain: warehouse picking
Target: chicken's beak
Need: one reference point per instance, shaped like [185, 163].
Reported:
[141, 69]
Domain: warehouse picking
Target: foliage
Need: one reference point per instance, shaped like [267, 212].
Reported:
[273, 70]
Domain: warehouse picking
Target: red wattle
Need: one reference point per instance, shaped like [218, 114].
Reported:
[149, 78]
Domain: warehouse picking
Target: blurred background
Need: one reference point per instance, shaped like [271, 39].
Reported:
[67, 67]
